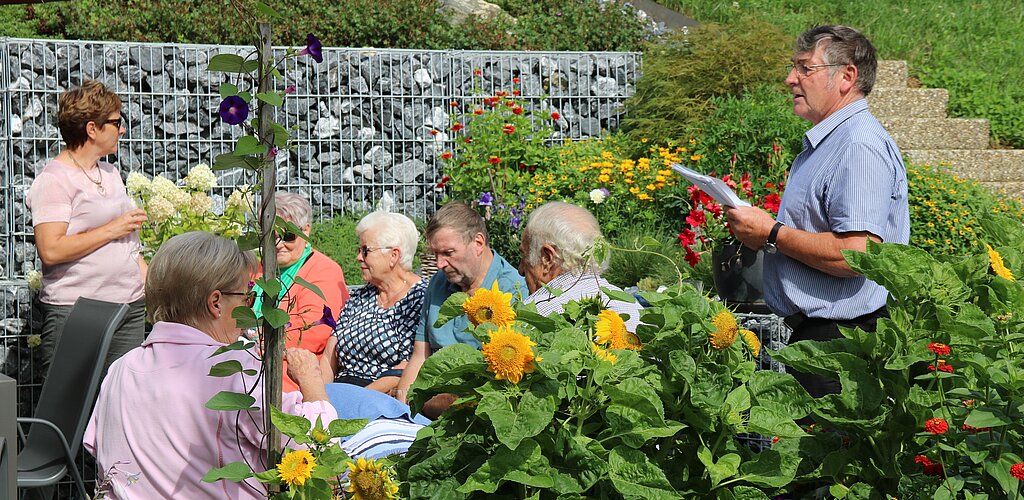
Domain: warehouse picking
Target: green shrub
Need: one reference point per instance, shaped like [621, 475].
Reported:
[632, 261]
[683, 73]
[973, 93]
[336, 238]
[575, 24]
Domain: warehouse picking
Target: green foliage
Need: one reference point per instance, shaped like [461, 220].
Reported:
[336, 238]
[949, 44]
[685, 71]
[573, 24]
[589, 422]
[639, 256]
[945, 210]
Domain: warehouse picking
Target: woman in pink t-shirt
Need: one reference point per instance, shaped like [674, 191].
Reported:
[86, 227]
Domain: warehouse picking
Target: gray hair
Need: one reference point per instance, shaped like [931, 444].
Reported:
[392, 230]
[294, 208]
[460, 218]
[571, 229]
[187, 269]
[843, 45]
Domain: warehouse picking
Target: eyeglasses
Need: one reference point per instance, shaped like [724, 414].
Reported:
[287, 237]
[365, 250]
[806, 69]
[116, 122]
[250, 296]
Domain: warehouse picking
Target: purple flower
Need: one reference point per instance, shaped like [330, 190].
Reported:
[313, 48]
[234, 110]
[515, 221]
[327, 319]
[486, 199]
[289, 89]
[606, 192]
[272, 153]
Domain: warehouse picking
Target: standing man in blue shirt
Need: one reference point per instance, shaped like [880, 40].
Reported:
[847, 186]
[465, 263]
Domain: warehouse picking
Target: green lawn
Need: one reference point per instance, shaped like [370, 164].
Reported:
[972, 48]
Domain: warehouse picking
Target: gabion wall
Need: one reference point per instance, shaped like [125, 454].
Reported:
[363, 120]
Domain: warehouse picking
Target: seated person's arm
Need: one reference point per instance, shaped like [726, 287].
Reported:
[420, 352]
[304, 369]
[329, 361]
[438, 404]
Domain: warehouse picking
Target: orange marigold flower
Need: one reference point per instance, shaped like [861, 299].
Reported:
[936, 426]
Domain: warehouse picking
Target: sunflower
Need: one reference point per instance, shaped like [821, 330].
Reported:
[603, 354]
[508, 354]
[490, 306]
[725, 330]
[997, 264]
[368, 481]
[753, 343]
[611, 330]
[296, 467]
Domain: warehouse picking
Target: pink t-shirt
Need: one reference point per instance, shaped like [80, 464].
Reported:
[63, 193]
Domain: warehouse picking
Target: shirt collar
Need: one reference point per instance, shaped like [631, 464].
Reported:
[820, 131]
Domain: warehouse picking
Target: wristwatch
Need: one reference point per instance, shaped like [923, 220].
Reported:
[769, 246]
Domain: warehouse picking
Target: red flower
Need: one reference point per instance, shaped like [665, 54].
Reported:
[934, 469]
[469, 140]
[457, 127]
[941, 366]
[477, 72]
[447, 155]
[478, 111]
[1017, 471]
[509, 103]
[921, 459]
[508, 128]
[494, 160]
[444, 180]
[515, 79]
[433, 132]
[517, 110]
[516, 92]
[775, 439]
[687, 238]
[714, 208]
[729, 182]
[974, 430]
[936, 426]
[772, 202]
[939, 349]
[691, 257]
[555, 116]
[454, 104]
[696, 218]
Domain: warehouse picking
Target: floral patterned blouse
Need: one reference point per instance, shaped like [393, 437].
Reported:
[372, 339]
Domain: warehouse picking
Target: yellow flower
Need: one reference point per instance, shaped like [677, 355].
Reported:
[611, 330]
[296, 467]
[368, 481]
[508, 355]
[753, 343]
[725, 330]
[998, 267]
[490, 306]
[695, 157]
[603, 354]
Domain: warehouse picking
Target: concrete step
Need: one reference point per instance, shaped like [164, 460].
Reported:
[891, 74]
[937, 133]
[988, 165]
[908, 103]
[1011, 189]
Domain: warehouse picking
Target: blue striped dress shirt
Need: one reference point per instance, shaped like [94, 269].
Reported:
[850, 177]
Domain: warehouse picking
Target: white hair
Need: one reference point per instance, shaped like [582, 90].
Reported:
[392, 230]
[294, 208]
[571, 229]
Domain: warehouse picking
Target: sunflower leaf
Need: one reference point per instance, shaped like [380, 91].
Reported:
[452, 308]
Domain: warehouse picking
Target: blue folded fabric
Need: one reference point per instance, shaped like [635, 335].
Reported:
[352, 401]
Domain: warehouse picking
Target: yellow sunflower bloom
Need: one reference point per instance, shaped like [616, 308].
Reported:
[296, 467]
[998, 267]
[753, 343]
[611, 331]
[490, 306]
[725, 330]
[603, 354]
[368, 481]
[508, 355]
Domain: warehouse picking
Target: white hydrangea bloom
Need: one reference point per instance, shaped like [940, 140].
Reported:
[597, 196]
[201, 178]
[137, 183]
[35, 280]
[160, 208]
[200, 203]
[241, 200]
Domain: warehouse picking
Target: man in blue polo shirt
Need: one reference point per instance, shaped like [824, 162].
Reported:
[465, 262]
[847, 186]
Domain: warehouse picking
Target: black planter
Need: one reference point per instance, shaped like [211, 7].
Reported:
[738, 275]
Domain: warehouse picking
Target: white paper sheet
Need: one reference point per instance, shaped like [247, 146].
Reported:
[713, 186]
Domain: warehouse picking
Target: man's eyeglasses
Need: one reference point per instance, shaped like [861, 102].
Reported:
[287, 237]
[365, 250]
[250, 296]
[806, 69]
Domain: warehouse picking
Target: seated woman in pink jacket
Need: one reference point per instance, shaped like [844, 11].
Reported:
[151, 432]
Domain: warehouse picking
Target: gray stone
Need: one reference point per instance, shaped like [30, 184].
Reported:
[150, 59]
[131, 75]
[604, 87]
[176, 69]
[590, 127]
[39, 57]
[179, 128]
[378, 157]
[115, 56]
[365, 170]
[409, 171]
[359, 85]
[327, 127]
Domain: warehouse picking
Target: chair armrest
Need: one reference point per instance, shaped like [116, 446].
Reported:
[51, 426]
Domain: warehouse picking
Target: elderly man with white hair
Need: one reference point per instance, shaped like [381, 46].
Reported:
[555, 247]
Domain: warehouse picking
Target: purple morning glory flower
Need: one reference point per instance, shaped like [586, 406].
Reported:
[314, 48]
[486, 199]
[272, 153]
[289, 89]
[328, 318]
[234, 110]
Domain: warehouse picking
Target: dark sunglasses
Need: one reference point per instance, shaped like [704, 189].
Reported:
[286, 237]
[116, 122]
[250, 296]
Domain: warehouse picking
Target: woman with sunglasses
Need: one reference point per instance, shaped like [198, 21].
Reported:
[374, 336]
[296, 258]
[86, 226]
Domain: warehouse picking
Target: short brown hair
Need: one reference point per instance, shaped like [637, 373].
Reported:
[92, 102]
[458, 217]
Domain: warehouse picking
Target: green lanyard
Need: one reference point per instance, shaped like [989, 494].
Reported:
[287, 278]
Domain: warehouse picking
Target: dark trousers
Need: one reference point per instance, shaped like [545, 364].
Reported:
[805, 328]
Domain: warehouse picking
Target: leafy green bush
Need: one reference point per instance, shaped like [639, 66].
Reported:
[973, 93]
[574, 24]
[641, 253]
[336, 238]
[683, 73]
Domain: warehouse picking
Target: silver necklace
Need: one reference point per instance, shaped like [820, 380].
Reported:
[98, 183]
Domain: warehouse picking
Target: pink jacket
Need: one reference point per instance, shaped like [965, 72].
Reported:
[151, 417]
